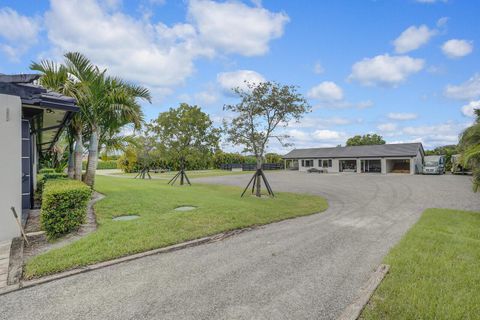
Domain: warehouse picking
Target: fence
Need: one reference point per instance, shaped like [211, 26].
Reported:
[251, 166]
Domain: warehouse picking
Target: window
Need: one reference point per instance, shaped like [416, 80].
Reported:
[307, 163]
[325, 163]
[303, 163]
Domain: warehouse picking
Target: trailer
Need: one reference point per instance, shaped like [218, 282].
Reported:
[458, 165]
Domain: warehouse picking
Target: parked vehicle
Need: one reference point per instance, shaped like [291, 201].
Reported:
[315, 170]
[434, 165]
[457, 165]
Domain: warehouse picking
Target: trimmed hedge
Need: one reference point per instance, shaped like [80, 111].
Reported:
[64, 206]
[43, 178]
[101, 165]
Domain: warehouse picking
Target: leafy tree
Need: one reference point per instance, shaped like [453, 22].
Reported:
[273, 158]
[262, 108]
[366, 139]
[186, 132]
[469, 146]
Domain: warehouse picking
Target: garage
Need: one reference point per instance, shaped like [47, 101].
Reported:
[398, 166]
[404, 158]
[371, 166]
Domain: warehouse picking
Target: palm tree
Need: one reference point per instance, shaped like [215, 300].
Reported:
[106, 104]
[57, 78]
[110, 104]
[470, 146]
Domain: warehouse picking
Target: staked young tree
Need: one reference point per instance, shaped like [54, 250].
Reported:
[186, 130]
[263, 108]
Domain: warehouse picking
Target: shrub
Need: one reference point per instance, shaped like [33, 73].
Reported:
[64, 206]
[109, 164]
[128, 161]
[46, 170]
[44, 177]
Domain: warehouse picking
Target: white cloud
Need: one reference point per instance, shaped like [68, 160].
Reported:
[206, 97]
[402, 116]
[387, 127]
[468, 90]
[234, 79]
[325, 134]
[326, 91]
[442, 22]
[437, 134]
[456, 48]
[20, 32]
[321, 122]
[317, 138]
[385, 70]
[413, 38]
[318, 68]
[236, 27]
[468, 110]
[137, 50]
[157, 55]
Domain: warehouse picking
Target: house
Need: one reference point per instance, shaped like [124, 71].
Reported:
[31, 121]
[386, 158]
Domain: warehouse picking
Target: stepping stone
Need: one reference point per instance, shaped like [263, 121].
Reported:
[185, 208]
[126, 218]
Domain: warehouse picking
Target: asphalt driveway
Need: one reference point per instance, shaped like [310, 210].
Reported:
[305, 268]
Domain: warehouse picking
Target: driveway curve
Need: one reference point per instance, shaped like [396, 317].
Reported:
[305, 268]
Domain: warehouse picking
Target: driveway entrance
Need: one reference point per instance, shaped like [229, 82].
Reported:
[305, 268]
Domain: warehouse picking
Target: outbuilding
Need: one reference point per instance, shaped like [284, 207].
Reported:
[31, 121]
[386, 158]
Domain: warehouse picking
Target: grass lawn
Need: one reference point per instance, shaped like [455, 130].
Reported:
[191, 174]
[434, 270]
[220, 208]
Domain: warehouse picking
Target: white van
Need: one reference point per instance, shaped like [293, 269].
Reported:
[434, 165]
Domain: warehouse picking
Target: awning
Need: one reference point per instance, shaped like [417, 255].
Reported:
[48, 112]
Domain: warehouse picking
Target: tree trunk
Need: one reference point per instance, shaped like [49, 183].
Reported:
[71, 160]
[78, 155]
[259, 177]
[92, 157]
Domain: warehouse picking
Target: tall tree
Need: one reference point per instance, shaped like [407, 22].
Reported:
[186, 130]
[263, 107]
[56, 77]
[469, 145]
[109, 104]
[366, 139]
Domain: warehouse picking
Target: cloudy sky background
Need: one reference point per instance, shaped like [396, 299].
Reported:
[406, 69]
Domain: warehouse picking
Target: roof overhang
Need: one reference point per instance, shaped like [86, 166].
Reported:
[48, 112]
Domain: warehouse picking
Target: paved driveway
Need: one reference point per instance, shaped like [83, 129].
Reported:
[304, 268]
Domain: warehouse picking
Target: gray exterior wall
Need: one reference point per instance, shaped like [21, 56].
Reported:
[10, 164]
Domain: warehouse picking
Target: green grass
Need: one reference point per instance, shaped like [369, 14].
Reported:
[191, 174]
[434, 270]
[220, 208]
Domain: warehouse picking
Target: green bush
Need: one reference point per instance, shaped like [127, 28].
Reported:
[46, 170]
[42, 178]
[109, 164]
[64, 206]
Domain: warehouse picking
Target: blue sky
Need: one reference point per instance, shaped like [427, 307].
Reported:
[406, 69]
